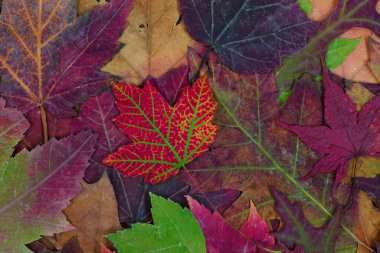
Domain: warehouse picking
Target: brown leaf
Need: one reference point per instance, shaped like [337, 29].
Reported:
[322, 9]
[93, 213]
[86, 5]
[367, 227]
[355, 67]
[155, 41]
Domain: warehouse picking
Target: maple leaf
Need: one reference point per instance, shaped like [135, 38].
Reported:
[175, 230]
[297, 230]
[45, 61]
[33, 190]
[221, 237]
[347, 134]
[155, 41]
[348, 14]
[12, 127]
[249, 35]
[371, 186]
[93, 213]
[164, 138]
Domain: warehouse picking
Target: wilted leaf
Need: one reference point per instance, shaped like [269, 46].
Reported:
[71, 246]
[297, 230]
[37, 185]
[347, 133]
[250, 36]
[93, 213]
[175, 230]
[155, 41]
[164, 138]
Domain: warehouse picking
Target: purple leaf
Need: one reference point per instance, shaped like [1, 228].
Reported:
[297, 230]
[218, 201]
[249, 35]
[347, 133]
[371, 186]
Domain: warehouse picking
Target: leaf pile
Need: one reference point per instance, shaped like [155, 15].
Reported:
[189, 126]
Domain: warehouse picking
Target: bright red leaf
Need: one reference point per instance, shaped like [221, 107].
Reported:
[164, 138]
[347, 133]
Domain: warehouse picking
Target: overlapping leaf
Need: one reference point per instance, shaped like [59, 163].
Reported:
[348, 133]
[220, 237]
[164, 138]
[175, 230]
[297, 230]
[46, 63]
[250, 36]
[371, 186]
[35, 186]
[349, 13]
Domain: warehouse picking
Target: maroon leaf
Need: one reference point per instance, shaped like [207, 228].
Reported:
[347, 133]
[249, 35]
[297, 230]
[220, 237]
[218, 201]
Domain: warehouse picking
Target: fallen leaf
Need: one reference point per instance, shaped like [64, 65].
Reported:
[155, 41]
[46, 63]
[84, 6]
[71, 246]
[93, 213]
[103, 249]
[321, 9]
[164, 138]
[372, 187]
[359, 95]
[347, 133]
[348, 14]
[374, 55]
[249, 36]
[220, 237]
[367, 223]
[175, 230]
[355, 65]
[33, 190]
[297, 230]
[12, 128]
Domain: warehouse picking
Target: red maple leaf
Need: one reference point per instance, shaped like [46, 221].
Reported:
[164, 138]
[347, 133]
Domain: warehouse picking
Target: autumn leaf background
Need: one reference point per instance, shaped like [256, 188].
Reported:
[189, 126]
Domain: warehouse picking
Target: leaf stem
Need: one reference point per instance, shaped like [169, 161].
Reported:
[203, 61]
[44, 123]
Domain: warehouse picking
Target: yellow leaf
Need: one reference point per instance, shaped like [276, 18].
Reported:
[86, 5]
[155, 41]
[359, 95]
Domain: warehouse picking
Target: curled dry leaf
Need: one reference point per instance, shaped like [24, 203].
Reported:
[155, 41]
[356, 66]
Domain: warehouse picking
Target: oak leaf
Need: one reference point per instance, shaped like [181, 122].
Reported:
[164, 138]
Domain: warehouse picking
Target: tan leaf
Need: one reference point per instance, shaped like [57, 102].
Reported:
[322, 9]
[93, 213]
[359, 95]
[86, 5]
[378, 6]
[374, 54]
[363, 166]
[355, 67]
[155, 41]
[367, 226]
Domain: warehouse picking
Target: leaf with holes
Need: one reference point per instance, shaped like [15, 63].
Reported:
[164, 138]
[250, 36]
[347, 133]
[50, 58]
[37, 185]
